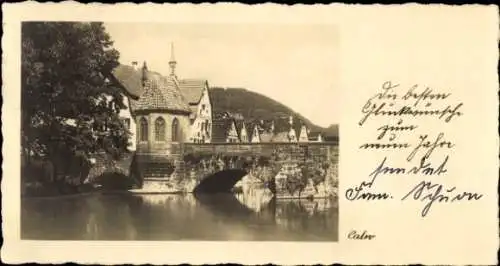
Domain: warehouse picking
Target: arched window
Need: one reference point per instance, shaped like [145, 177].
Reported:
[175, 130]
[143, 131]
[160, 129]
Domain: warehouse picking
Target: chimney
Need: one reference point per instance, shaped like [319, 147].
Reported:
[135, 65]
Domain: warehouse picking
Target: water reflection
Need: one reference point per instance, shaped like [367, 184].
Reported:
[251, 215]
[254, 199]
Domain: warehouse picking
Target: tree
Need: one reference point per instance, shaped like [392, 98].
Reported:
[69, 104]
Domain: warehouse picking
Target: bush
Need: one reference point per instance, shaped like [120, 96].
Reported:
[115, 181]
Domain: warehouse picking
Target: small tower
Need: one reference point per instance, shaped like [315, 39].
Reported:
[172, 63]
[144, 73]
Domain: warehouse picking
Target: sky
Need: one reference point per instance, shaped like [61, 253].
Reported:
[295, 64]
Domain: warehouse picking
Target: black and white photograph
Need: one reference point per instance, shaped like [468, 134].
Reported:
[171, 132]
[200, 134]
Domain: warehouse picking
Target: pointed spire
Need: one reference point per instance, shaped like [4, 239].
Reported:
[172, 56]
[172, 63]
[144, 73]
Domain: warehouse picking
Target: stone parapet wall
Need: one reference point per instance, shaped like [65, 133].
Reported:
[289, 169]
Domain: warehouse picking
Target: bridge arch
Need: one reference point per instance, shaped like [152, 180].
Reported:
[220, 182]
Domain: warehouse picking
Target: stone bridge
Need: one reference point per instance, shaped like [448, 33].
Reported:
[287, 169]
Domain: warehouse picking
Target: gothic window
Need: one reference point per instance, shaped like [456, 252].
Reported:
[143, 131]
[175, 130]
[160, 129]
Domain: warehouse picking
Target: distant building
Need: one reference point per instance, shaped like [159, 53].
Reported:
[131, 80]
[284, 130]
[279, 130]
[315, 137]
[162, 110]
[242, 131]
[304, 133]
[197, 95]
[225, 131]
[255, 137]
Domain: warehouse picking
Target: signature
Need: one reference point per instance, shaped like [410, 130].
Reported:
[430, 193]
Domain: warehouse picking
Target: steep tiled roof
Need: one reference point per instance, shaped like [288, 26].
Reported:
[129, 78]
[220, 129]
[192, 89]
[161, 93]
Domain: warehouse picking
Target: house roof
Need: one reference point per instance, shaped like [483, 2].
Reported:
[220, 129]
[297, 125]
[192, 89]
[240, 125]
[266, 137]
[314, 134]
[161, 93]
[129, 78]
[280, 137]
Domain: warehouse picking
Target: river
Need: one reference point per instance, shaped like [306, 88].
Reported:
[250, 216]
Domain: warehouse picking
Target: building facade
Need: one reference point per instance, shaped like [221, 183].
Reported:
[197, 95]
[161, 115]
[225, 131]
[163, 110]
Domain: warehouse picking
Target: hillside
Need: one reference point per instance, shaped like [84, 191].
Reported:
[256, 106]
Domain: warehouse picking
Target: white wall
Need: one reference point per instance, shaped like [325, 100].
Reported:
[243, 134]
[127, 115]
[203, 115]
[255, 135]
[303, 134]
[232, 134]
[292, 135]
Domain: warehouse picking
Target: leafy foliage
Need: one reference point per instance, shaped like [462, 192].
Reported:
[68, 105]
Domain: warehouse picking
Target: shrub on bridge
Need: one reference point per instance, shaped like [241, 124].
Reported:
[295, 183]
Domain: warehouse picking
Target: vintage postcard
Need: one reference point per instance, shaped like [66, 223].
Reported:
[184, 133]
